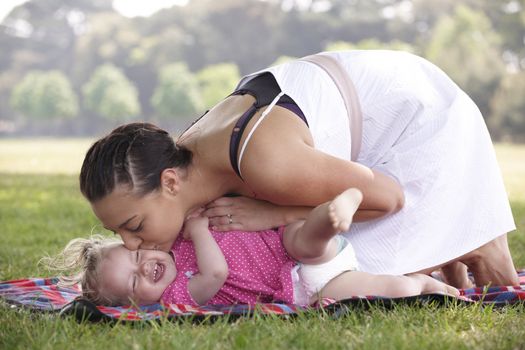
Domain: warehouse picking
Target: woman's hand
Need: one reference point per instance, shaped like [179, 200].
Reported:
[248, 214]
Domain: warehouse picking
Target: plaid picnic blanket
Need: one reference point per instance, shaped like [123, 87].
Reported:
[43, 294]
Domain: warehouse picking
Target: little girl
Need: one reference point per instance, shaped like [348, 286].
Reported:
[295, 264]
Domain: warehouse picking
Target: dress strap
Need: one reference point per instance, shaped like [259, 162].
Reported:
[263, 115]
[347, 90]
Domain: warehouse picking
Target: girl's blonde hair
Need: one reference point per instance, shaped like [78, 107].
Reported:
[79, 263]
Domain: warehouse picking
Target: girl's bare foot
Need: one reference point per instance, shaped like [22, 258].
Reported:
[342, 209]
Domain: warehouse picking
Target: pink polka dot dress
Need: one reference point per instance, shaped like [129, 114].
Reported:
[259, 269]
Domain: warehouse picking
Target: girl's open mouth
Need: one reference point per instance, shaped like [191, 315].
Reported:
[158, 271]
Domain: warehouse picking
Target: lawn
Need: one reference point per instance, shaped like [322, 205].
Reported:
[41, 208]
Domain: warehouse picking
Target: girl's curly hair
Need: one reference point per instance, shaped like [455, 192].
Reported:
[79, 263]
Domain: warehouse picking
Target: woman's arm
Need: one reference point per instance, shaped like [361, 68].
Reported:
[302, 175]
[213, 269]
[289, 177]
[250, 214]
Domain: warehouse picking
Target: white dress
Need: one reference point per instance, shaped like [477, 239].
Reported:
[422, 129]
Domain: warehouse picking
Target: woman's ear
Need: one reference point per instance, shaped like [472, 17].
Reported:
[170, 181]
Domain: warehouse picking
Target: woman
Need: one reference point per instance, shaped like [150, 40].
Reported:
[293, 136]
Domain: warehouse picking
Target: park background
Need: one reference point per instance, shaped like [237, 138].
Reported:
[80, 67]
[70, 70]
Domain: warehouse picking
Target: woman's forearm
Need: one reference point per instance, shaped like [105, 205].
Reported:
[383, 196]
[291, 214]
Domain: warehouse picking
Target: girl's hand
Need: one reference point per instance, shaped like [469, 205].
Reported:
[195, 225]
[248, 214]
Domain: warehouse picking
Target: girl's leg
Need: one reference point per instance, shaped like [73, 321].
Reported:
[362, 283]
[310, 241]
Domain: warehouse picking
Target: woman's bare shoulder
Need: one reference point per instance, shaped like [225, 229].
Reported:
[278, 163]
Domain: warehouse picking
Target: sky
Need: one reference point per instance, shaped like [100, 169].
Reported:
[128, 8]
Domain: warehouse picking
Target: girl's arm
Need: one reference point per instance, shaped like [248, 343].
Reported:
[213, 269]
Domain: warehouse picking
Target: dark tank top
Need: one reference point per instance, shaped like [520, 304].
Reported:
[264, 89]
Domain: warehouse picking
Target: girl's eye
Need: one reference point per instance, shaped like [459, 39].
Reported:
[137, 256]
[134, 282]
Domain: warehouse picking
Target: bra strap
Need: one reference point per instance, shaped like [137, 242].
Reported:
[263, 115]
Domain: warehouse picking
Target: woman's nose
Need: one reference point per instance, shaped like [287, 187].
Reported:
[149, 246]
[131, 241]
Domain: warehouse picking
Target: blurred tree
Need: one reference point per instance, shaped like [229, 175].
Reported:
[508, 107]
[237, 31]
[217, 81]
[283, 59]
[508, 18]
[51, 26]
[371, 44]
[466, 47]
[361, 20]
[426, 13]
[45, 95]
[159, 30]
[114, 39]
[42, 35]
[109, 39]
[111, 95]
[177, 95]
[77, 36]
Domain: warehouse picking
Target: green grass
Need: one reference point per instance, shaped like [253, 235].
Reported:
[41, 209]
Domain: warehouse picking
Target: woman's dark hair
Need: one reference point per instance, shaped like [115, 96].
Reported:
[133, 154]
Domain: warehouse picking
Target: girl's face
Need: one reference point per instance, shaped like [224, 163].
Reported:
[148, 222]
[140, 276]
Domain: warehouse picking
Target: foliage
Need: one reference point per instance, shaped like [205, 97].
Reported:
[477, 42]
[110, 94]
[283, 59]
[216, 80]
[371, 44]
[45, 95]
[177, 94]
[508, 106]
[465, 45]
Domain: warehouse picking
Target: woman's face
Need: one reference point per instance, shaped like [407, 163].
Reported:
[148, 222]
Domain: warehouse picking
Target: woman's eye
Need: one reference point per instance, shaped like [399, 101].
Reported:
[137, 229]
[137, 256]
[134, 282]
